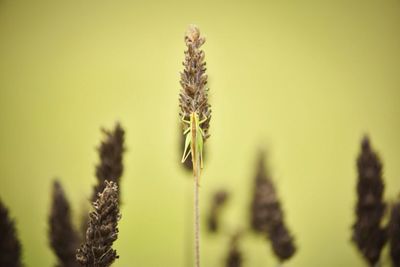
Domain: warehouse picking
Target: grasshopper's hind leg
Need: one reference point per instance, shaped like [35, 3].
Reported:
[186, 151]
[200, 145]
[186, 131]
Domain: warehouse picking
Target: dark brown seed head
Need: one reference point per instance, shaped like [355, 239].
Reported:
[64, 240]
[394, 234]
[234, 258]
[111, 159]
[368, 234]
[267, 215]
[10, 247]
[218, 201]
[102, 230]
[263, 197]
[282, 241]
[194, 94]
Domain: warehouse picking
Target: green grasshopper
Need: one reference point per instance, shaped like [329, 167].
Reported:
[195, 138]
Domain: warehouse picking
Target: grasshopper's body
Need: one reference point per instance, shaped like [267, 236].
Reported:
[194, 139]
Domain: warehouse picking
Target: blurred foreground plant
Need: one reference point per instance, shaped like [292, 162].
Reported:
[10, 247]
[368, 234]
[64, 240]
[219, 199]
[234, 258]
[111, 159]
[394, 234]
[267, 215]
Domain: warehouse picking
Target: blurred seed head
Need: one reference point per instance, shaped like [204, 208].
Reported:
[394, 234]
[234, 258]
[111, 152]
[267, 216]
[218, 200]
[10, 246]
[368, 234]
[64, 239]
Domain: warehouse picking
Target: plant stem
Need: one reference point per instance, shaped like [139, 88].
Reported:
[188, 234]
[196, 173]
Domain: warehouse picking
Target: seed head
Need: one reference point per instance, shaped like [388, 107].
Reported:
[234, 258]
[219, 199]
[111, 152]
[368, 234]
[64, 239]
[102, 230]
[10, 247]
[394, 234]
[267, 215]
[194, 93]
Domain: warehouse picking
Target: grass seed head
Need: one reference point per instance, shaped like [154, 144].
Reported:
[193, 97]
[10, 246]
[368, 234]
[102, 230]
[64, 240]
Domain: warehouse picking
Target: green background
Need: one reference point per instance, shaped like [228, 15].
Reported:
[303, 79]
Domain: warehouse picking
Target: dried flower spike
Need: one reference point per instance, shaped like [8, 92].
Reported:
[111, 159]
[195, 114]
[218, 201]
[194, 93]
[263, 197]
[64, 239]
[10, 247]
[394, 234]
[368, 234]
[234, 258]
[102, 230]
[267, 215]
[195, 109]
